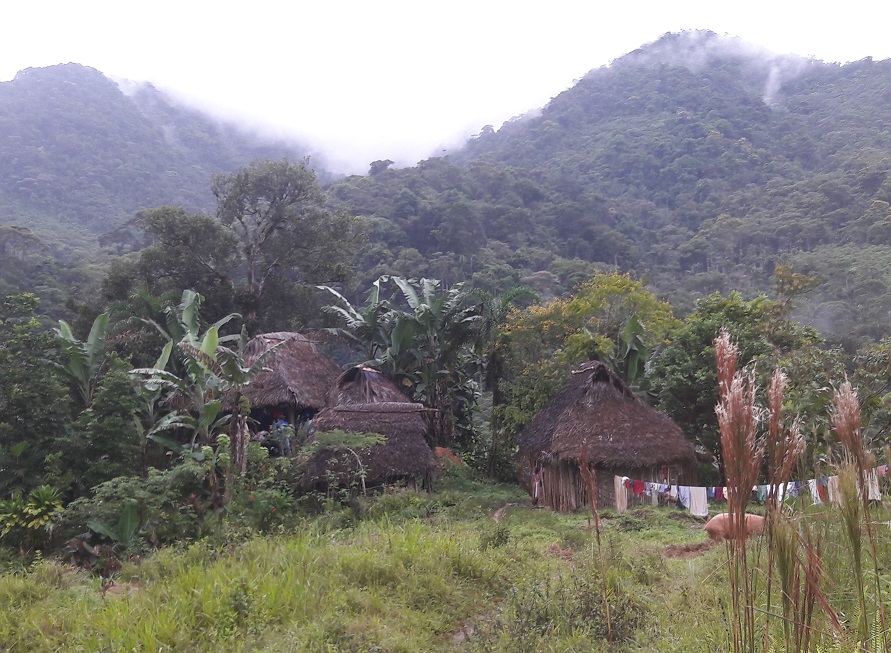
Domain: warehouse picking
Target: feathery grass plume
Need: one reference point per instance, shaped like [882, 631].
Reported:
[784, 448]
[742, 451]
[588, 475]
[854, 486]
[845, 418]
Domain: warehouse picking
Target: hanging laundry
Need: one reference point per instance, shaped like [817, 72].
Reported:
[710, 492]
[822, 489]
[637, 487]
[761, 492]
[719, 493]
[780, 491]
[833, 490]
[621, 494]
[684, 496]
[872, 483]
[698, 502]
[815, 491]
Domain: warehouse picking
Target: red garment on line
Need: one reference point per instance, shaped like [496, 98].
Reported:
[638, 487]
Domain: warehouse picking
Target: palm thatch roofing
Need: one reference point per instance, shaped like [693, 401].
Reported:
[596, 418]
[405, 454]
[364, 385]
[297, 373]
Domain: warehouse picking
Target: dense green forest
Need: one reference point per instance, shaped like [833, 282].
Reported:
[695, 162]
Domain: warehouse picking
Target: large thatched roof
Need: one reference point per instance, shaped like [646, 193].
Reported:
[596, 417]
[405, 453]
[364, 385]
[298, 373]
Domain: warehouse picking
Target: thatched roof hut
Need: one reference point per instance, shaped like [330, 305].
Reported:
[364, 385]
[596, 418]
[298, 377]
[404, 457]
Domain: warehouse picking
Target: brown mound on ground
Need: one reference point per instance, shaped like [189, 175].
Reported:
[682, 516]
[558, 552]
[686, 551]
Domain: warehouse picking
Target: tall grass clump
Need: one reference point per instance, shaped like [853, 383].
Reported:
[743, 452]
[590, 479]
[784, 448]
[853, 476]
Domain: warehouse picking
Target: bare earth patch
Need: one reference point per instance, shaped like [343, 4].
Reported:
[558, 552]
[686, 551]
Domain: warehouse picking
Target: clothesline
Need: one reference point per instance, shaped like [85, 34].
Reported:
[695, 498]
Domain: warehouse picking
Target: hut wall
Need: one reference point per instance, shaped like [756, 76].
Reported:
[564, 489]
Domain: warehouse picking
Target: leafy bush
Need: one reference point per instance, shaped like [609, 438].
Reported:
[539, 610]
[28, 522]
[494, 537]
[171, 504]
[400, 505]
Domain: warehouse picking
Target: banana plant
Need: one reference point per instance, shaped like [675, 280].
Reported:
[83, 359]
[196, 395]
[367, 327]
[125, 533]
[430, 343]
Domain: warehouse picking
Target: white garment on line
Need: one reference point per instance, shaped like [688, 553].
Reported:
[873, 491]
[684, 495]
[621, 494]
[698, 502]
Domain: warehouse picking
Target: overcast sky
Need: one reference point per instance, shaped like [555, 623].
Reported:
[364, 80]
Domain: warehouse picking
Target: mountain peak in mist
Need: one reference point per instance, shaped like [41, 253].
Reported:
[699, 50]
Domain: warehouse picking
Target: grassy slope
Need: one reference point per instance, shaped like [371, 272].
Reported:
[415, 573]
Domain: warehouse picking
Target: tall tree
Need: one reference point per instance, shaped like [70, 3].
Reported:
[277, 212]
[684, 376]
[272, 233]
[33, 402]
[611, 317]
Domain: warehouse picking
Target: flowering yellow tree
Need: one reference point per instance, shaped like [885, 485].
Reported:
[605, 319]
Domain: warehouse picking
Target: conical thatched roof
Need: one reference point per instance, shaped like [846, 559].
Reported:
[299, 374]
[596, 417]
[405, 453]
[364, 385]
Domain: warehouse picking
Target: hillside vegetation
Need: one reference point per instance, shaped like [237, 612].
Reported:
[695, 161]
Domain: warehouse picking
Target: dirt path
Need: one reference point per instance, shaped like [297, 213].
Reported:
[498, 514]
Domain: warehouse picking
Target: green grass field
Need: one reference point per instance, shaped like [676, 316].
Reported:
[402, 573]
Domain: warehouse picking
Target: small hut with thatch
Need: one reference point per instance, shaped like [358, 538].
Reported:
[364, 385]
[363, 400]
[296, 382]
[597, 420]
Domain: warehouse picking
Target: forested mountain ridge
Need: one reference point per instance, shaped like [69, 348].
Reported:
[78, 155]
[696, 161]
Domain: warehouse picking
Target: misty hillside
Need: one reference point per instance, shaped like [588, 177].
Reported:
[78, 155]
[697, 161]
